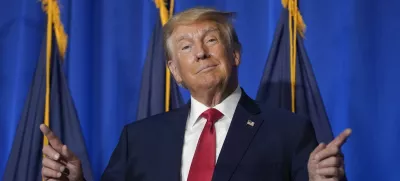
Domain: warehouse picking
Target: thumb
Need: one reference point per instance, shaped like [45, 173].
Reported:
[67, 154]
[319, 148]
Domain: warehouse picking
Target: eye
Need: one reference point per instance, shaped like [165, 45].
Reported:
[212, 40]
[185, 47]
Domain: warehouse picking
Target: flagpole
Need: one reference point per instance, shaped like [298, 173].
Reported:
[165, 14]
[48, 5]
[53, 18]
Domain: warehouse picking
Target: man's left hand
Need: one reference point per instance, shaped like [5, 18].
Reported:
[326, 162]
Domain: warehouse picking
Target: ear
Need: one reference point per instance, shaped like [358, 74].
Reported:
[236, 57]
[174, 71]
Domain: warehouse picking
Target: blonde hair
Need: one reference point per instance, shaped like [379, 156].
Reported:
[193, 15]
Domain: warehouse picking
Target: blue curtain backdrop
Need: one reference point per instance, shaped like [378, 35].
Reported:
[352, 45]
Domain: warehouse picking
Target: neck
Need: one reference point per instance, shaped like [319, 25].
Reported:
[215, 95]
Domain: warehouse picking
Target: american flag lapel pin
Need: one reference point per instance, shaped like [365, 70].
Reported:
[250, 123]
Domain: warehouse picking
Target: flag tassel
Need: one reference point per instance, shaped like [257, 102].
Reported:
[296, 25]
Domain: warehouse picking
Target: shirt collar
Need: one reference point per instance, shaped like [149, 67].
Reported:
[227, 107]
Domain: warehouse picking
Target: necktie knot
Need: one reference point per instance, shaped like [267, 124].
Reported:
[212, 115]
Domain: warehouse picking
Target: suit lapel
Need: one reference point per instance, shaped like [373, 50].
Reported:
[173, 144]
[244, 126]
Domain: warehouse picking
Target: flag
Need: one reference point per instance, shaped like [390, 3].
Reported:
[276, 85]
[157, 95]
[25, 159]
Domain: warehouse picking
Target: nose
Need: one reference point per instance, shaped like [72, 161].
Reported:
[201, 52]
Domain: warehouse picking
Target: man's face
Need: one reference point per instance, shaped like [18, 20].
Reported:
[200, 59]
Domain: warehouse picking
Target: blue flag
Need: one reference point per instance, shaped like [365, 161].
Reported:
[275, 86]
[152, 92]
[25, 160]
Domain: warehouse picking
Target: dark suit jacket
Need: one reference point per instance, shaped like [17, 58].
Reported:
[276, 148]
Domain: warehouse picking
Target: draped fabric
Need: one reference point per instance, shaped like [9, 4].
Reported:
[352, 46]
[25, 159]
[153, 84]
[277, 86]
[21, 34]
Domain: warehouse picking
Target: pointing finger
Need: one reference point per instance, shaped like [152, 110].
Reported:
[341, 139]
[53, 139]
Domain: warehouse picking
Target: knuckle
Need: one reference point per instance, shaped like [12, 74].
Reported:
[45, 148]
[50, 164]
[45, 172]
[341, 171]
[46, 162]
[335, 160]
[335, 171]
[322, 163]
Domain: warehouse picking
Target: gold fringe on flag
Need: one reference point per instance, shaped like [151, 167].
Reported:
[165, 14]
[294, 12]
[53, 21]
[53, 11]
[296, 25]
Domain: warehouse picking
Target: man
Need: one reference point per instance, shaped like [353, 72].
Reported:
[221, 134]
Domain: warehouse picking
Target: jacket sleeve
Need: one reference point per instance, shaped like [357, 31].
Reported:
[117, 166]
[305, 143]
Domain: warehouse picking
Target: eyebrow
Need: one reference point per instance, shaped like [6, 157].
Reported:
[205, 31]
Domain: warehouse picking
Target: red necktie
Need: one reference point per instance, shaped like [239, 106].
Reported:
[203, 163]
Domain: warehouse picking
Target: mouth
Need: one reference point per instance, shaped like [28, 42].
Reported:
[206, 68]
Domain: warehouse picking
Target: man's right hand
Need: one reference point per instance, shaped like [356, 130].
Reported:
[59, 163]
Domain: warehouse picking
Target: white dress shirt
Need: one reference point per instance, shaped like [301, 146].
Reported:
[195, 125]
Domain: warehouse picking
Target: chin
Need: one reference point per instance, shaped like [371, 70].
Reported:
[211, 83]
